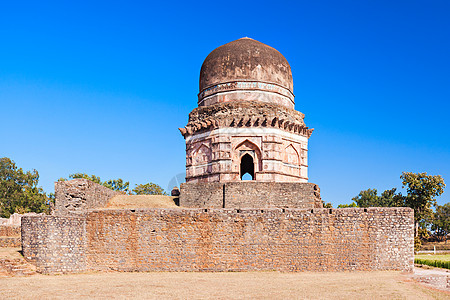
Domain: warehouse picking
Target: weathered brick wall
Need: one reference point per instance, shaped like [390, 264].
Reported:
[77, 195]
[246, 194]
[223, 240]
[9, 236]
[207, 194]
[55, 244]
[9, 230]
[250, 239]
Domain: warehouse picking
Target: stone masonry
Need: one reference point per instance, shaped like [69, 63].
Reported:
[248, 194]
[77, 195]
[55, 244]
[223, 240]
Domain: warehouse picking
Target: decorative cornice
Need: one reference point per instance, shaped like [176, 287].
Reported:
[247, 121]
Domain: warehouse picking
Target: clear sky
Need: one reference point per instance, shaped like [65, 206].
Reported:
[102, 87]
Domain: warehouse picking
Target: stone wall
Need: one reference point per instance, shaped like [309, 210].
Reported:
[224, 240]
[77, 195]
[55, 244]
[250, 194]
[9, 236]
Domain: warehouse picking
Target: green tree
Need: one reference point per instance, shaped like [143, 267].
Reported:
[113, 184]
[117, 185]
[370, 198]
[19, 192]
[389, 198]
[422, 190]
[366, 198]
[441, 221]
[353, 204]
[149, 189]
[92, 178]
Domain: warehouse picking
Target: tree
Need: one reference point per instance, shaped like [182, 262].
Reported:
[117, 185]
[441, 221]
[122, 186]
[366, 198]
[370, 198]
[149, 189]
[92, 178]
[113, 184]
[353, 204]
[422, 190]
[19, 192]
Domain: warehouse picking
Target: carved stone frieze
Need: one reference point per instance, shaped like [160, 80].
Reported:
[245, 114]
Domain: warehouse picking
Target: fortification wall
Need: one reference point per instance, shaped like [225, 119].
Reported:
[224, 240]
[55, 244]
[244, 194]
[77, 195]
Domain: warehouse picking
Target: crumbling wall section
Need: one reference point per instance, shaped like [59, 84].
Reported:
[55, 244]
[77, 195]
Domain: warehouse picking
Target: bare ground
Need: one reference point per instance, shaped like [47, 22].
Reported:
[141, 201]
[245, 285]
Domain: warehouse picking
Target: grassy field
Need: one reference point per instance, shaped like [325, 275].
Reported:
[438, 260]
[442, 257]
[245, 285]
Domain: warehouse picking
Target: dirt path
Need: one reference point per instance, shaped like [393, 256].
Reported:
[255, 285]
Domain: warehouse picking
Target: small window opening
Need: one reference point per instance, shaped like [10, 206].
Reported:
[247, 167]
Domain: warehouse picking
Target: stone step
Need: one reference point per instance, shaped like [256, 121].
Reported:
[16, 267]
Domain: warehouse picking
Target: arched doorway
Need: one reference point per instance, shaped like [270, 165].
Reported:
[247, 167]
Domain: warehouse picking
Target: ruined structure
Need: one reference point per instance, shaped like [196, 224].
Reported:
[245, 125]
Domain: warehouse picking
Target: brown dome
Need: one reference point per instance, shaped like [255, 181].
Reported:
[245, 60]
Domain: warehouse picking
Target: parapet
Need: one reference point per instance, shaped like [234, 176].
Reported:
[246, 194]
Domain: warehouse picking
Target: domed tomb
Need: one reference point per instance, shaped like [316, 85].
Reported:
[246, 127]
[246, 69]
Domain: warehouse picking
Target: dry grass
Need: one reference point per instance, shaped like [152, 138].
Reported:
[253, 285]
[141, 201]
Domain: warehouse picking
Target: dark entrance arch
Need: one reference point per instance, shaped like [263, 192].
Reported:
[247, 166]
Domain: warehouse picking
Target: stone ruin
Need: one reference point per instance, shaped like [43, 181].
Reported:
[245, 127]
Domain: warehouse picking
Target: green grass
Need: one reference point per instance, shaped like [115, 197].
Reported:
[439, 261]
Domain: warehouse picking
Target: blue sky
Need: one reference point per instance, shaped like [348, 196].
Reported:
[101, 87]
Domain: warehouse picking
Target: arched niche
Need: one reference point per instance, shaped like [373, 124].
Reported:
[201, 160]
[247, 166]
[242, 161]
[290, 155]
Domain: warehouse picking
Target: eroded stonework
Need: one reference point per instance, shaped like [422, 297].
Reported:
[80, 194]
